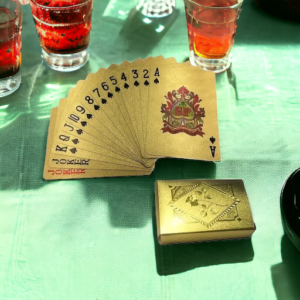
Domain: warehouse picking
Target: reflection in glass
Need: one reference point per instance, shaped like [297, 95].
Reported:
[156, 8]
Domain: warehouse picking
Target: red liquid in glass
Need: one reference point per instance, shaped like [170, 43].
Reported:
[10, 43]
[211, 31]
[61, 26]
[216, 3]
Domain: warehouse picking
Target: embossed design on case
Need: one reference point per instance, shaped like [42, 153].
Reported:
[233, 214]
[203, 203]
[182, 113]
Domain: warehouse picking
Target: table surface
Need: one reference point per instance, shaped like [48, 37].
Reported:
[95, 238]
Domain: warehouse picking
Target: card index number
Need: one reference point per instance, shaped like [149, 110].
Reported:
[89, 99]
[136, 75]
[146, 72]
[74, 118]
[123, 77]
[97, 90]
[113, 80]
[104, 86]
[80, 109]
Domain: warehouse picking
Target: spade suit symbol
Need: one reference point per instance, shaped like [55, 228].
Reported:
[83, 123]
[79, 131]
[156, 81]
[136, 83]
[89, 116]
[212, 139]
[109, 95]
[104, 101]
[75, 141]
[117, 89]
[146, 83]
[96, 107]
[73, 150]
[126, 86]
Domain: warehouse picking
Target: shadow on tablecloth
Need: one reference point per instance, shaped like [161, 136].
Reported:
[130, 200]
[285, 275]
[174, 259]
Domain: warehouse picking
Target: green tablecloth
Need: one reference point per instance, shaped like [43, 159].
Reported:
[95, 238]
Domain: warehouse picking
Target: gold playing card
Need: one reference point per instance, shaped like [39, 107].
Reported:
[202, 210]
[119, 120]
[182, 115]
[65, 167]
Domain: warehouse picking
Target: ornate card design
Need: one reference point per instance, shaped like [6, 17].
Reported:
[203, 203]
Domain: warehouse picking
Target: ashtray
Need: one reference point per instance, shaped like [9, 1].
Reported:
[290, 208]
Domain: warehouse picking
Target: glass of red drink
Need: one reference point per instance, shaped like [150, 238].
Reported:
[10, 46]
[64, 29]
[211, 30]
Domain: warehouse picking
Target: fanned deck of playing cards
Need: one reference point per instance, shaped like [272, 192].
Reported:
[120, 120]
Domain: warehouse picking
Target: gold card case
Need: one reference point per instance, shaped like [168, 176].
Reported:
[202, 210]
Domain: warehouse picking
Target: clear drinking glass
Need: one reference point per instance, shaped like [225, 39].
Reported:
[156, 8]
[211, 30]
[10, 46]
[64, 29]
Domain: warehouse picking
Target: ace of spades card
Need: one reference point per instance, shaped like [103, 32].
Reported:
[182, 115]
[119, 120]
